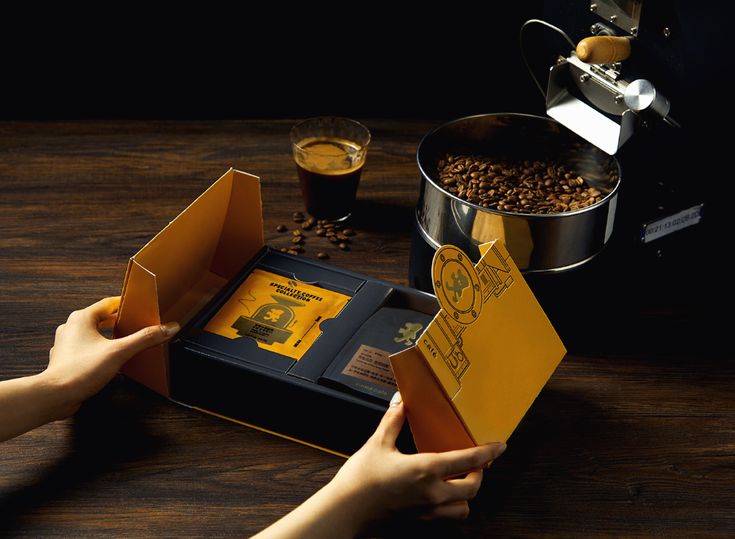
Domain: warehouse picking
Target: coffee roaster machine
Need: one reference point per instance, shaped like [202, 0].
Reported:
[633, 80]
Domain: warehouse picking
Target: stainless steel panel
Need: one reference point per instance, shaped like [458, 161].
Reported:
[537, 242]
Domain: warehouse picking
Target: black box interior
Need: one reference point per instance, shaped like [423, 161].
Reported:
[240, 380]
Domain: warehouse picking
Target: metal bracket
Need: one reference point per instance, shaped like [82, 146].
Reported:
[625, 15]
[601, 87]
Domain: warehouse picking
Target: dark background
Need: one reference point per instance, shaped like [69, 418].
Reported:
[442, 63]
[275, 60]
[279, 62]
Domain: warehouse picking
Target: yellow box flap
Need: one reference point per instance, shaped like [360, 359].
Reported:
[490, 350]
[175, 274]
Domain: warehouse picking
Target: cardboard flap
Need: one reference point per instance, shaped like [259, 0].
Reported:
[140, 305]
[241, 235]
[186, 263]
[434, 422]
[483, 359]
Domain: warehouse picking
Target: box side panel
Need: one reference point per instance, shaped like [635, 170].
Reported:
[512, 349]
[434, 422]
[275, 402]
[182, 252]
[139, 309]
[242, 231]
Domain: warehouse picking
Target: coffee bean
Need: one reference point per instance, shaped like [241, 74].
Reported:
[292, 251]
[322, 255]
[320, 232]
[333, 239]
[348, 232]
[344, 246]
[298, 232]
[281, 228]
[283, 249]
[522, 186]
[297, 240]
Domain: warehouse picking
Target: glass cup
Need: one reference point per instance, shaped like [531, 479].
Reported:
[329, 153]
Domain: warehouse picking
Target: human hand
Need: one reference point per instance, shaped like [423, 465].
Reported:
[382, 480]
[379, 481]
[82, 360]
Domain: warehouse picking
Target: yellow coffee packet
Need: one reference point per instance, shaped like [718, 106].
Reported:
[281, 314]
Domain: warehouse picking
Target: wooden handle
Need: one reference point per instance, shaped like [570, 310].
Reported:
[603, 49]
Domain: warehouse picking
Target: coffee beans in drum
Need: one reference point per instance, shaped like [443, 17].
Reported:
[516, 186]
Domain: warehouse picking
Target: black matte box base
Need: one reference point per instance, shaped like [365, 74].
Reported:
[280, 403]
[238, 380]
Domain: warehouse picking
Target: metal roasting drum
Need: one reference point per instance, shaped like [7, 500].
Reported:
[538, 243]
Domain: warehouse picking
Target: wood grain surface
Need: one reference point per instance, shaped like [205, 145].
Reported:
[639, 443]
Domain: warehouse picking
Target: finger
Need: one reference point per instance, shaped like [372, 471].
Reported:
[392, 423]
[454, 511]
[145, 338]
[111, 318]
[464, 460]
[463, 489]
[103, 309]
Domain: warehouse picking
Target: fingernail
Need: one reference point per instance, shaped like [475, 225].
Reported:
[396, 400]
[170, 328]
[499, 451]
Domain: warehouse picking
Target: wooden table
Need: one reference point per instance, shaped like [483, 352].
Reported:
[640, 443]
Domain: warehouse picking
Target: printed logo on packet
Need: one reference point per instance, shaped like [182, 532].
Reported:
[280, 314]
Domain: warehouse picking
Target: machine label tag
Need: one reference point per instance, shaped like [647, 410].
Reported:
[662, 227]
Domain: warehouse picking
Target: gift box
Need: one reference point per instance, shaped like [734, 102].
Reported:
[308, 351]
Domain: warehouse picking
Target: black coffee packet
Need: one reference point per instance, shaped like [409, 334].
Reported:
[362, 365]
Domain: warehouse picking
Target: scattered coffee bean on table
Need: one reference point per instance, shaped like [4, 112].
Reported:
[519, 186]
[334, 232]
